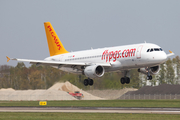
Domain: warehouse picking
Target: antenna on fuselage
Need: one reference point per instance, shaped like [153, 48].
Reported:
[145, 41]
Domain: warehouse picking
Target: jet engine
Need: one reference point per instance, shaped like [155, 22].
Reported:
[94, 71]
[153, 70]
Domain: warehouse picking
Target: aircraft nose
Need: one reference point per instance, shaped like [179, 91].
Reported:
[162, 57]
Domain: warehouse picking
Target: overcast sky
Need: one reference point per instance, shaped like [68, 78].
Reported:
[82, 24]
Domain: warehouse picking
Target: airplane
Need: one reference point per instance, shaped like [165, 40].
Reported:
[145, 57]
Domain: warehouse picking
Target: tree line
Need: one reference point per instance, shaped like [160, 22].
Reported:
[42, 77]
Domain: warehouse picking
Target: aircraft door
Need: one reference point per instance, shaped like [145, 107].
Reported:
[138, 53]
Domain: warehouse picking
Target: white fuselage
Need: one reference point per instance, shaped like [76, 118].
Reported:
[120, 57]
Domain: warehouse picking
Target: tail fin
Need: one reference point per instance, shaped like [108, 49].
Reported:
[54, 43]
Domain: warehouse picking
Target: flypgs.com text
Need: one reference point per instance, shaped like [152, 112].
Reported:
[108, 55]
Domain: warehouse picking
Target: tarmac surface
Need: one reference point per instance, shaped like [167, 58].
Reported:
[92, 110]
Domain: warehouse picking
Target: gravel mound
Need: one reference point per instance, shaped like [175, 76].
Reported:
[34, 95]
[56, 92]
[68, 87]
[7, 89]
[110, 94]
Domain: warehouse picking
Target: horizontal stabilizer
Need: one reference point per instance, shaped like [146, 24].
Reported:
[170, 54]
[8, 58]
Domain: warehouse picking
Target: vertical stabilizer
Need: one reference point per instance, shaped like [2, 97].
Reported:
[54, 43]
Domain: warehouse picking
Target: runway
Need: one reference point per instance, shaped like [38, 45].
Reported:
[92, 110]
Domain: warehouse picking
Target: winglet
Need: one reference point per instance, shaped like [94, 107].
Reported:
[170, 51]
[8, 58]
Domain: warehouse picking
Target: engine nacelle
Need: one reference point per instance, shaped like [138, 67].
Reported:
[153, 70]
[94, 71]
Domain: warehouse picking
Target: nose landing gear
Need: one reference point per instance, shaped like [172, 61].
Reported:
[149, 76]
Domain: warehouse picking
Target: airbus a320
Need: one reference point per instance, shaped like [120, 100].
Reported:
[144, 57]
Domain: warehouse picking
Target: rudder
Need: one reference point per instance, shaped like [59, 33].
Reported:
[54, 43]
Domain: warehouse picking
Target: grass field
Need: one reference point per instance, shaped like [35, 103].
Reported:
[99, 103]
[85, 116]
[91, 116]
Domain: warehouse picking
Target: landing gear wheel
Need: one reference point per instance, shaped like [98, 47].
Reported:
[127, 80]
[91, 82]
[123, 80]
[86, 82]
[149, 77]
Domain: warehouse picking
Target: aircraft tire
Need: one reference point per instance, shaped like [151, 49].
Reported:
[149, 77]
[123, 80]
[91, 82]
[127, 80]
[86, 82]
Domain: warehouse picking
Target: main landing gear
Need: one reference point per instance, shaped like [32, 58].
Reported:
[124, 80]
[88, 82]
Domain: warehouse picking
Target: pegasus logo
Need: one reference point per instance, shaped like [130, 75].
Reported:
[117, 54]
[55, 38]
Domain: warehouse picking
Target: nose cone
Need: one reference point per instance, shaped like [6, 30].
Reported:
[160, 57]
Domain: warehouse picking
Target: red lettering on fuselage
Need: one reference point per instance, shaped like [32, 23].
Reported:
[54, 37]
[117, 54]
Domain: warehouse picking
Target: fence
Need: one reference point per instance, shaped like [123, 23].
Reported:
[46, 97]
[149, 97]
[88, 97]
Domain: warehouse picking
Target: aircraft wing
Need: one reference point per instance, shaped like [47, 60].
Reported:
[58, 63]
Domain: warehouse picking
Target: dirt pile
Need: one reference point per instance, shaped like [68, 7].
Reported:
[110, 94]
[161, 89]
[34, 95]
[7, 89]
[56, 92]
[68, 87]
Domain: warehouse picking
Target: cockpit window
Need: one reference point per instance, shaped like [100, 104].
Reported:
[151, 49]
[154, 49]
